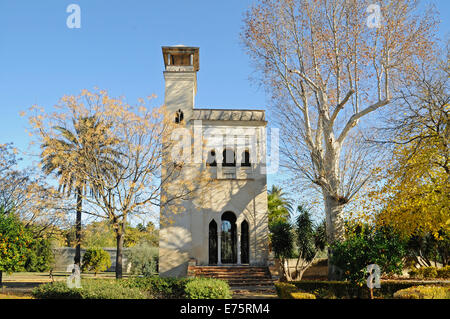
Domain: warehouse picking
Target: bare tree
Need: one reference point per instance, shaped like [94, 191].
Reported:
[326, 67]
[127, 177]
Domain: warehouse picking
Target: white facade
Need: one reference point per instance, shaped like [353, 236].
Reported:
[225, 221]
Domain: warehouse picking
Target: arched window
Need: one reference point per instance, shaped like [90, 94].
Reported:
[179, 116]
[211, 160]
[245, 245]
[212, 243]
[229, 159]
[228, 238]
[246, 158]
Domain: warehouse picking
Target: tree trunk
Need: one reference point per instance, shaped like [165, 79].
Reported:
[119, 239]
[77, 259]
[335, 230]
[1, 278]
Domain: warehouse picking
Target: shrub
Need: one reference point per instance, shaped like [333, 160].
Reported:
[368, 245]
[91, 289]
[289, 291]
[96, 259]
[415, 273]
[443, 272]
[284, 290]
[160, 288]
[429, 272]
[207, 288]
[40, 258]
[302, 295]
[424, 292]
[344, 289]
[143, 259]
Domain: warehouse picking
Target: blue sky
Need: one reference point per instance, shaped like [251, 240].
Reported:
[118, 48]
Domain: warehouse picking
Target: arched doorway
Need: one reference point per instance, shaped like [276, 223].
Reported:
[245, 246]
[228, 238]
[213, 243]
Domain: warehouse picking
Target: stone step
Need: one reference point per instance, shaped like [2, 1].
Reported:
[246, 278]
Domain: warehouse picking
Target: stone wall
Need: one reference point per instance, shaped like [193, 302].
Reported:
[64, 257]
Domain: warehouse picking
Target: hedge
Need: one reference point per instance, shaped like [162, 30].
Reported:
[343, 289]
[181, 288]
[90, 289]
[137, 288]
[424, 292]
[430, 273]
[159, 288]
[289, 291]
[207, 288]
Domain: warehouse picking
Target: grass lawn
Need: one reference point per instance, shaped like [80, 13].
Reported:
[19, 285]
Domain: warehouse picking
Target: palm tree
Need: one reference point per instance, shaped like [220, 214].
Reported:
[70, 154]
[279, 206]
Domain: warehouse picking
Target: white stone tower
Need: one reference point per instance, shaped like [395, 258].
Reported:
[225, 222]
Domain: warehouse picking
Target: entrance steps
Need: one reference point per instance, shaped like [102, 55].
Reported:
[248, 278]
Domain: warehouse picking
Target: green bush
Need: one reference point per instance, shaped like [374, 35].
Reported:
[180, 288]
[443, 272]
[430, 273]
[290, 291]
[207, 288]
[96, 259]
[143, 259]
[415, 273]
[160, 288]
[344, 289]
[364, 246]
[91, 289]
[40, 258]
[302, 295]
[284, 290]
[424, 292]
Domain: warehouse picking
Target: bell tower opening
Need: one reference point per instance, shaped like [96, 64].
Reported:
[181, 65]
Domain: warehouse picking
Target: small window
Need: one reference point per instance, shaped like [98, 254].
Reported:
[246, 159]
[179, 116]
[211, 160]
[229, 159]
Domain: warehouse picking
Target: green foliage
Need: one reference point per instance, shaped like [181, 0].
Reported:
[430, 273]
[284, 290]
[101, 234]
[90, 289]
[279, 206]
[180, 288]
[14, 243]
[430, 248]
[282, 239]
[96, 259]
[368, 245]
[310, 238]
[160, 288]
[302, 295]
[40, 257]
[144, 259]
[289, 291]
[346, 290]
[424, 292]
[207, 288]
[444, 272]
[98, 234]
